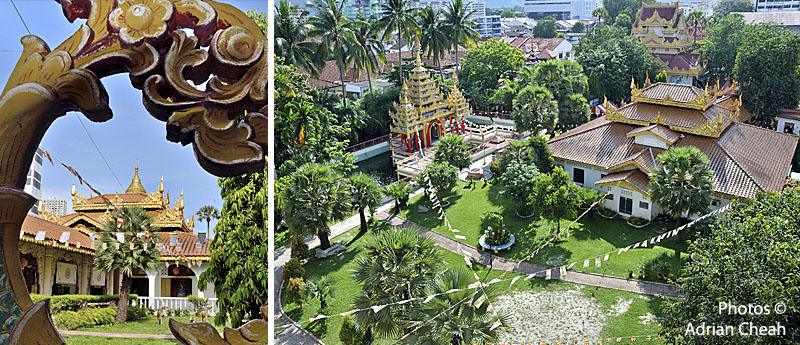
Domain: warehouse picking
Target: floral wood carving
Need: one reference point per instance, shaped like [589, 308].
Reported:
[167, 47]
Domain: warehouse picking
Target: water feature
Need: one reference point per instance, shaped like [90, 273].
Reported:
[380, 167]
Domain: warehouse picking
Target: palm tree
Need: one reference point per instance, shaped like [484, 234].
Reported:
[336, 31]
[681, 184]
[398, 264]
[311, 198]
[321, 288]
[434, 38]
[399, 192]
[449, 321]
[452, 149]
[369, 48]
[459, 24]
[291, 38]
[207, 213]
[695, 18]
[601, 13]
[364, 194]
[398, 16]
[534, 110]
[111, 254]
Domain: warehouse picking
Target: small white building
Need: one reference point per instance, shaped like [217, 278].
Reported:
[789, 121]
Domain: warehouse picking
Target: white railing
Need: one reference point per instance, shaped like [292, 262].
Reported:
[174, 303]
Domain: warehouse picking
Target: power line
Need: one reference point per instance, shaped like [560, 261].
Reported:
[98, 150]
[20, 17]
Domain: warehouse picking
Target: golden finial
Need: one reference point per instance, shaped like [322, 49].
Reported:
[179, 203]
[455, 80]
[41, 207]
[166, 200]
[74, 192]
[417, 51]
[136, 183]
[647, 78]
[161, 186]
[633, 84]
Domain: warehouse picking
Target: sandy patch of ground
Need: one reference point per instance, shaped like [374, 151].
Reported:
[551, 316]
[647, 319]
[621, 306]
[556, 260]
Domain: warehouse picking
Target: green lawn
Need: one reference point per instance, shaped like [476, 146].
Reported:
[345, 289]
[590, 237]
[147, 325]
[90, 340]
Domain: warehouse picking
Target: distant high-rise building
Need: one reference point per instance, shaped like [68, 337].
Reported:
[777, 6]
[57, 206]
[560, 9]
[33, 184]
[353, 8]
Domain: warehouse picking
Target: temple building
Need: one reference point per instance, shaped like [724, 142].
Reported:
[423, 114]
[57, 252]
[617, 151]
[663, 30]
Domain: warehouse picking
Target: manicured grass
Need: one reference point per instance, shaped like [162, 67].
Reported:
[591, 236]
[345, 290]
[90, 340]
[147, 325]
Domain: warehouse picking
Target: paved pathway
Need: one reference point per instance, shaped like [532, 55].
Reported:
[119, 335]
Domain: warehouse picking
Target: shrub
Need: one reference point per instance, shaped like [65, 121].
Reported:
[606, 212]
[74, 302]
[443, 177]
[137, 312]
[496, 233]
[86, 317]
[199, 303]
[299, 248]
[637, 221]
[589, 196]
[293, 269]
[294, 290]
[350, 334]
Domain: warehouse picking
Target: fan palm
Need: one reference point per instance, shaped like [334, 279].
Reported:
[399, 192]
[453, 321]
[459, 24]
[291, 38]
[398, 16]
[311, 198]
[207, 213]
[398, 264]
[369, 47]
[321, 288]
[364, 194]
[452, 149]
[434, 38]
[136, 252]
[337, 34]
[681, 184]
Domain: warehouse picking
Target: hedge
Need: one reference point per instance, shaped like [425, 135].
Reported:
[74, 302]
[91, 317]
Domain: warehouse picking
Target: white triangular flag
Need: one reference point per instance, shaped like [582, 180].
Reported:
[428, 299]
[495, 325]
[513, 281]
[460, 237]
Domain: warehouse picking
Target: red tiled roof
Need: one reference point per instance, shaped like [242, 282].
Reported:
[636, 178]
[678, 92]
[790, 113]
[32, 225]
[188, 245]
[665, 12]
[126, 198]
[682, 61]
[539, 44]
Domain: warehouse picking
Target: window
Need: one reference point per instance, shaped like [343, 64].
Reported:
[36, 184]
[610, 197]
[37, 175]
[39, 159]
[788, 128]
[625, 205]
[644, 204]
[715, 202]
[578, 175]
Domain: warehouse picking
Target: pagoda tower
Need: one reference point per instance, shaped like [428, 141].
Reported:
[422, 113]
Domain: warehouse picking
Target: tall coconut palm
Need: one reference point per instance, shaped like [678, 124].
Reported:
[291, 37]
[207, 213]
[460, 25]
[364, 195]
[312, 197]
[369, 47]
[601, 13]
[337, 34]
[681, 184]
[450, 321]
[398, 264]
[111, 254]
[434, 38]
[398, 16]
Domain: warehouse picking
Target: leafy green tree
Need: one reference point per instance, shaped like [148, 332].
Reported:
[111, 254]
[337, 33]
[449, 321]
[695, 19]
[623, 20]
[370, 49]
[459, 24]
[443, 177]
[349, 333]
[364, 195]
[397, 16]
[321, 288]
[724, 38]
[507, 14]
[545, 28]
[579, 27]
[519, 178]
[490, 61]
[434, 39]
[556, 197]
[615, 57]
[377, 105]
[749, 257]
[397, 264]
[661, 77]
[400, 192]
[601, 14]
[566, 81]
[616, 7]
[767, 69]
[681, 184]
[534, 110]
[312, 197]
[292, 38]
[207, 213]
[451, 149]
[726, 7]
[240, 250]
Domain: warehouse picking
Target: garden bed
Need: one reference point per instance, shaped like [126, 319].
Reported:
[637, 222]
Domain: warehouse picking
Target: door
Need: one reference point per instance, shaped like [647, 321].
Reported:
[625, 205]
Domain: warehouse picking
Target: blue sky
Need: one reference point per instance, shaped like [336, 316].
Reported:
[131, 135]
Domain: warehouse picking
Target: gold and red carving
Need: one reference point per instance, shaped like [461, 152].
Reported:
[168, 48]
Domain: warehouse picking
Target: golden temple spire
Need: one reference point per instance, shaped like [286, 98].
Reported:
[166, 200]
[74, 192]
[417, 51]
[179, 203]
[161, 186]
[136, 183]
[633, 84]
[455, 80]
[647, 78]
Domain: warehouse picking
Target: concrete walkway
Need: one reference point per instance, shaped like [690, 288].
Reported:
[118, 335]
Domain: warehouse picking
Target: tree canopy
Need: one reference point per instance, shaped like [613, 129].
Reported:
[545, 28]
[451, 149]
[681, 185]
[726, 7]
[724, 38]
[485, 64]
[535, 110]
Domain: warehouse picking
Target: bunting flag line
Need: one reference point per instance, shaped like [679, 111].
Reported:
[597, 261]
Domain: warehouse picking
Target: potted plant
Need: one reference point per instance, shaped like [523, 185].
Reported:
[495, 234]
